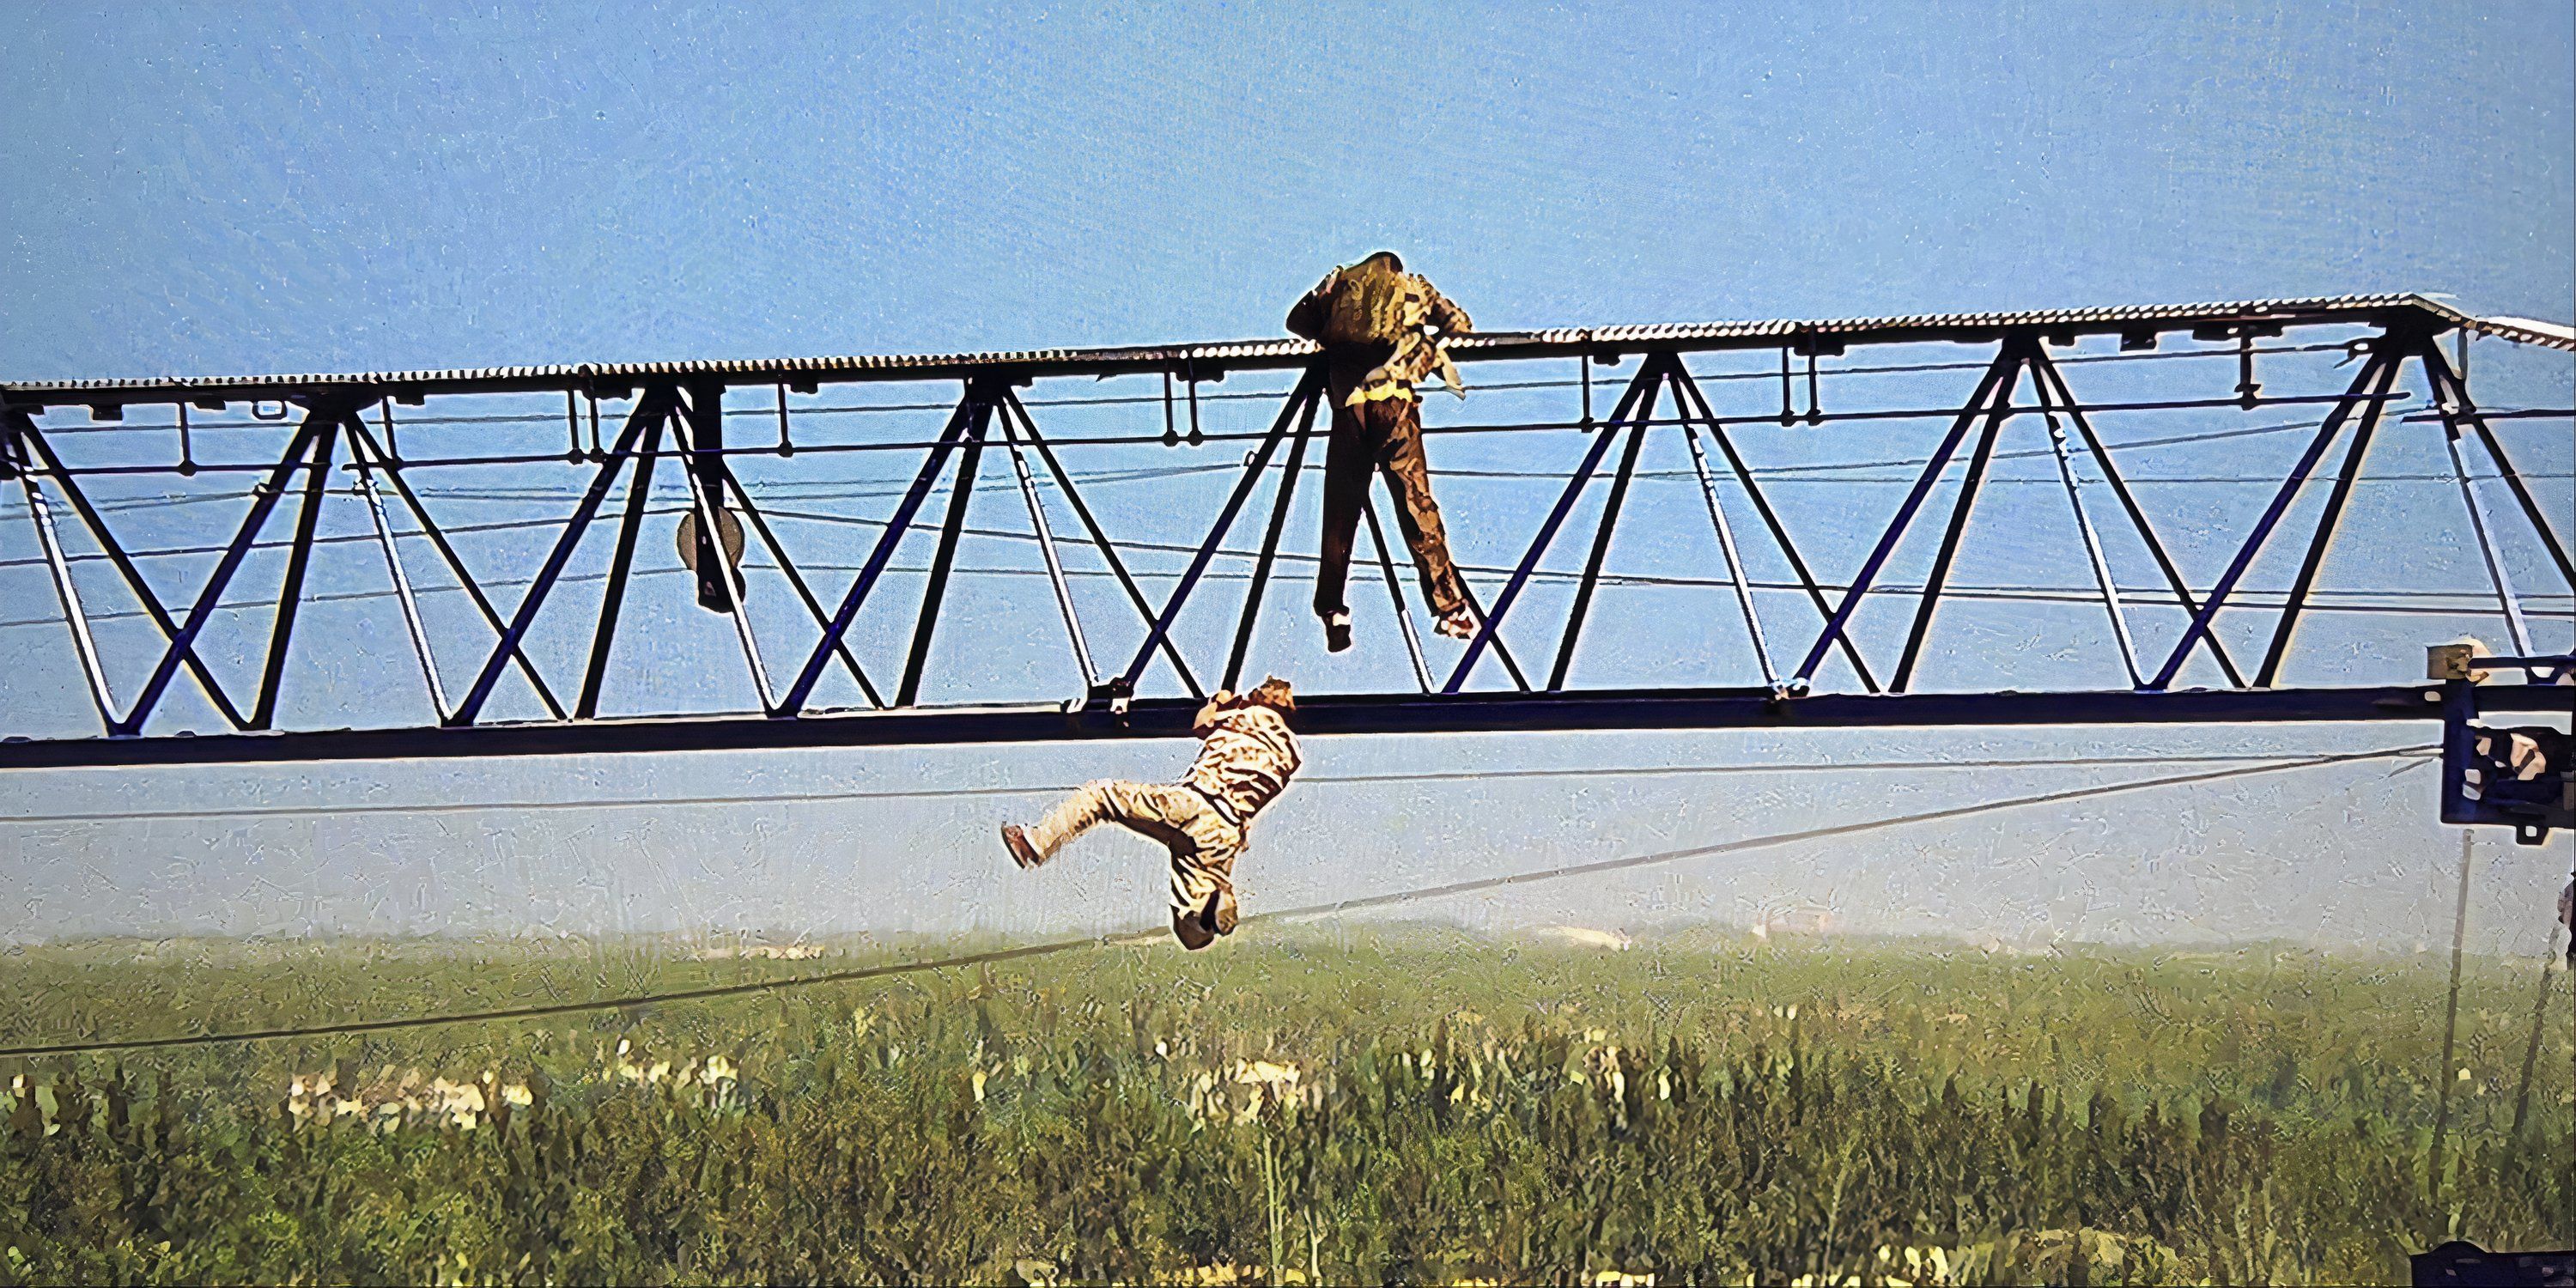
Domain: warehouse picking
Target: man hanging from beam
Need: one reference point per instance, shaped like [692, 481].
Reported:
[1246, 757]
[1383, 330]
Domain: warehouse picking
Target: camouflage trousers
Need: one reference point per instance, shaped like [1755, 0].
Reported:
[1382, 435]
[1202, 843]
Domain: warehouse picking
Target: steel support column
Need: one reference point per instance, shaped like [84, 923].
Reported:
[699, 427]
[1649, 374]
[2201, 622]
[961, 494]
[1959, 511]
[1308, 391]
[41, 516]
[456, 568]
[365, 466]
[1270, 545]
[263, 503]
[794, 703]
[650, 408]
[24, 428]
[1771, 520]
[2328, 524]
[1395, 593]
[1045, 533]
[2452, 398]
[1997, 373]
[2052, 378]
[796, 580]
[621, 564]
[1610, 507]
[299, 557]
[1099, 538]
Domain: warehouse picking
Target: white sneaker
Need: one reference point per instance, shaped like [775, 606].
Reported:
[1458, 626]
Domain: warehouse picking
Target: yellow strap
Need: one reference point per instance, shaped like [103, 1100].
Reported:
[1375, 393]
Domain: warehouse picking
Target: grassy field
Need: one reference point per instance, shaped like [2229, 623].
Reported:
[1396, 1104]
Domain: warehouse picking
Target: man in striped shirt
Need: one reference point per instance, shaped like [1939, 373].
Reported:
[1246, 757]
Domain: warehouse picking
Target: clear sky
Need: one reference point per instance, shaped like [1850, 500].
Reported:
[218, 190]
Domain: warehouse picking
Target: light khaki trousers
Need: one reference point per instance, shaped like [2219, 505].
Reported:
[1202, 843]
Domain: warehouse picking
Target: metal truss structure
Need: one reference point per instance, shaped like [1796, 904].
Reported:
[677, 412]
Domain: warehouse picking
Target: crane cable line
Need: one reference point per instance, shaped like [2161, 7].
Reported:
[854, 489]
[2436, 603]
[2391, 398]
[1147, 473]
[1055, 947]
[955, 793]
[863, 490]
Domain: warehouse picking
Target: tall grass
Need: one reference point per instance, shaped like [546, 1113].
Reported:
[1403, 1105]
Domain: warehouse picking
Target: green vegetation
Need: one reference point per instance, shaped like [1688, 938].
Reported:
[1401, 1104]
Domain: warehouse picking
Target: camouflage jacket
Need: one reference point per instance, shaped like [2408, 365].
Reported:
[1418, 322]
[1246, 757]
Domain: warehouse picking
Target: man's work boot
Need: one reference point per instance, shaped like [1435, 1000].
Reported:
[1458, 625]
[1337, 631]
[1017, 842]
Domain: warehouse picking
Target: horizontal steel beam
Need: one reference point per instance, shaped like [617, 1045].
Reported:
[2135, 324]
[1393, 713]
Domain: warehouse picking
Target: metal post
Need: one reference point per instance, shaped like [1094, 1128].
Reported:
[2450, 1023]
[621, 562]
[2452, 399]
[1771, 520]
[1270, 545]
[2092, 542]
[961, 494]
[455, 564]
[24, 428]
[64, 589]
[2202, 621]
[650, 408]
[263, 503]
[1726, 543]
[913, 496]
[701, 419]
[299, 557]
[1648, 374]
[1609, 523]
[1308, 390]
[1502, 650]
[1046, 548]
[2137, 515]
[2539, 1020]
[2506, 600]
[1099, 538]
[360, 459]
[1997, 372]
[2328, 523]
[1957, 529]
[796, 580]
[1395, 592]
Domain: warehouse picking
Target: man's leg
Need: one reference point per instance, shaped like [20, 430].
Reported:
[1346, 482]
[1408, 475]
[1136, 806]
[1203, 903]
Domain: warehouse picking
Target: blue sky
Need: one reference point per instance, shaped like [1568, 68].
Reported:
[213, 190]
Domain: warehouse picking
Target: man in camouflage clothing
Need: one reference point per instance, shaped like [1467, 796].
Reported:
[1382, 330]
[1246, 757]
